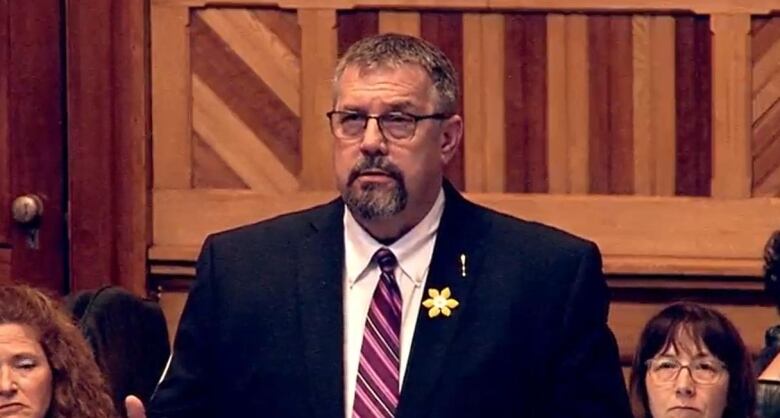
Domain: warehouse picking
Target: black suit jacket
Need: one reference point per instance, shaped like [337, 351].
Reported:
[261, 334]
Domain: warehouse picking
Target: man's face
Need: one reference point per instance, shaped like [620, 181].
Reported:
[379, 176]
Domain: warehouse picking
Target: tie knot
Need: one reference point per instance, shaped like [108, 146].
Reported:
[386, 260]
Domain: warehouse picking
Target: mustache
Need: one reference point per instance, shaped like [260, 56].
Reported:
[375, 162]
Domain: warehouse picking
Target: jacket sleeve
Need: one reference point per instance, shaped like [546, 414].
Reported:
[588, 377]
[184, 390]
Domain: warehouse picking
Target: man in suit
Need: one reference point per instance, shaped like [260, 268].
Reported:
[400, 298]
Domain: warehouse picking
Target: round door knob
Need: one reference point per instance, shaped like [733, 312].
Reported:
[27, 208]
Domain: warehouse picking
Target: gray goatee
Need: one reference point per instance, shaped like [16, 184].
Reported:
[376, 201]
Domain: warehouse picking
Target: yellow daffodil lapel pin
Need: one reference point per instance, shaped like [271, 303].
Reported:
[440, 302]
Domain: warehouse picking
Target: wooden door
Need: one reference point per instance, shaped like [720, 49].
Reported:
[32, 141]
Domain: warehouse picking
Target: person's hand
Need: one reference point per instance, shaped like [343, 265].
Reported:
[135, 408]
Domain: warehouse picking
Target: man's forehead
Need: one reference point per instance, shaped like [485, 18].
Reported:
[385, 69]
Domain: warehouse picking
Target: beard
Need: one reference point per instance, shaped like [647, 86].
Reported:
[371, 200]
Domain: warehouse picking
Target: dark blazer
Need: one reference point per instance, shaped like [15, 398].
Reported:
[261, 334]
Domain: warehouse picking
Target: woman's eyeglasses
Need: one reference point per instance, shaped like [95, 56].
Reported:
[704, 370]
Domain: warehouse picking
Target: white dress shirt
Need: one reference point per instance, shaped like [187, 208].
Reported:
[413, 251]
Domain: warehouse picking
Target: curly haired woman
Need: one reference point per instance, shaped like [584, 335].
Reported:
[46, 367]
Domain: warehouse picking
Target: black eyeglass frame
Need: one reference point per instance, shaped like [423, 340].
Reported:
[415, 118]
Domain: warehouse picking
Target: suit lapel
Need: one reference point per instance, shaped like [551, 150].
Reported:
[460, 233]
[321, 309]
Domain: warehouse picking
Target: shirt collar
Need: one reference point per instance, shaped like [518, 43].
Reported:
[410, 249]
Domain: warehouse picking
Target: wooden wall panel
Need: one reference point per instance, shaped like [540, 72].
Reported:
[232, 55]
[654, 118]
[766, 106]
[170, 63]
[611, 101]
[731, 103]
[483, 76]
[407, 23]
[674, 236]
[212, 171]
[572, 103]
[445, 30]
[236, 144]
[586, 59]
[318, 60]
[257, 46]
[568, 114]
[354, 25]
[172, 305]
[627, 318]
[283, 24]
[693, 90]
[526, 103]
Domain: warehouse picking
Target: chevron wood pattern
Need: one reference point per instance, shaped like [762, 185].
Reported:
[606, 104]
[766, 106]
[246, 99]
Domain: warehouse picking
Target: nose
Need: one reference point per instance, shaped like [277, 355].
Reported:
[684, 385]
[7, 382]
[373, 140]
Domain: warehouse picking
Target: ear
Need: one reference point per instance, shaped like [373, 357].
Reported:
[451, 134]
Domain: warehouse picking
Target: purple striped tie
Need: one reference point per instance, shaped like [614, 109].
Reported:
[377, 388]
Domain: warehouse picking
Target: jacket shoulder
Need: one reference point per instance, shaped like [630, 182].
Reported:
[283, 228]
[512, 231]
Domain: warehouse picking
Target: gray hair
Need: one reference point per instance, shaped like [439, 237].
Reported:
[393, 50]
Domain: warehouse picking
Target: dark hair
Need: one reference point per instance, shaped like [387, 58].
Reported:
[129, 337]
[772, 267]
[394, 50]
[78, 386]
[702, 325]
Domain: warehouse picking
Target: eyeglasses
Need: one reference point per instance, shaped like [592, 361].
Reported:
[705, 370]
[395, 126]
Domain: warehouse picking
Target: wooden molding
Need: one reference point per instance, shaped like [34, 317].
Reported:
[759, 7]
[650, 235]
[179, 261]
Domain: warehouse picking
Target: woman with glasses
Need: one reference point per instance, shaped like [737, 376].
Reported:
[691, 362]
